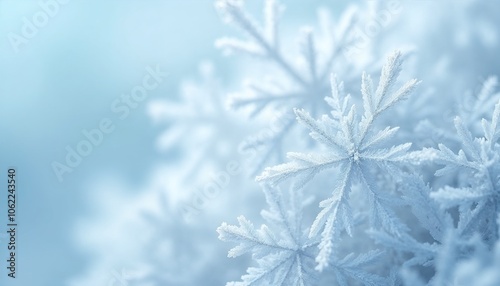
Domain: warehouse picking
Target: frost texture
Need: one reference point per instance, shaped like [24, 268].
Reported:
[432, 209]
[292, 83]
[355, 152]
[408, 190]
[284, 252]
[478, 162]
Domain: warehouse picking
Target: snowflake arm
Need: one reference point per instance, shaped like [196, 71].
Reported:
[352, 266]
[478, 161]
[284, 256]
[268, 47]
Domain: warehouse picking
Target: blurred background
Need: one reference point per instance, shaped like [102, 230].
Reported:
[118, 218]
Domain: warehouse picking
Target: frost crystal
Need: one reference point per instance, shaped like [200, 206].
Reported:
[355, 154]
[293, 84]
[284, 254]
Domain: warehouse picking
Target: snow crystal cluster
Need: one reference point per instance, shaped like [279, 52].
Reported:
[392, 210]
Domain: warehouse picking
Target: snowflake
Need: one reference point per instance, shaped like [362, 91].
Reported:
[197, 126]
[353, 150]
[302, 84]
